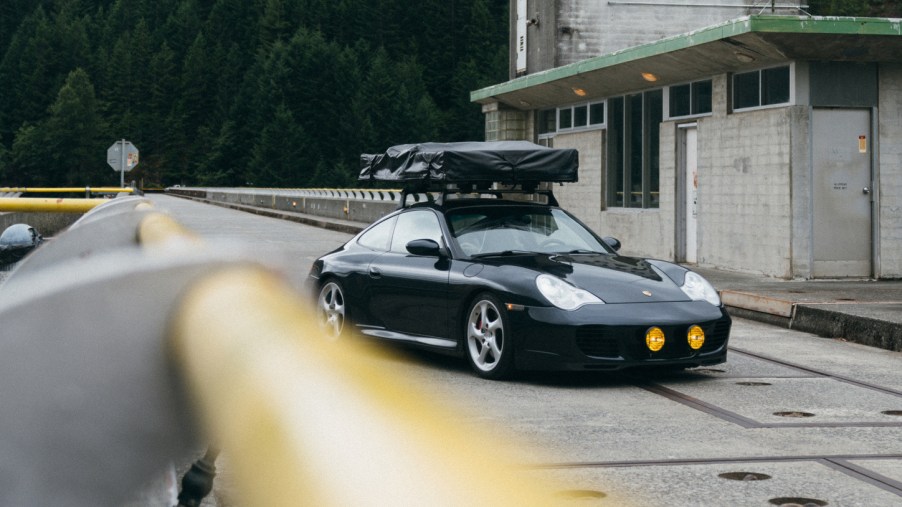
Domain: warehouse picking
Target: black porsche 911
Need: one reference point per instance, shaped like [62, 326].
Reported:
[516, 285]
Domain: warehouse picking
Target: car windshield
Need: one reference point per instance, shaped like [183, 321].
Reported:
[493, 230]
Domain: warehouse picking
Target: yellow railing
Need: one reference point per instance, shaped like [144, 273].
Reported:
[306, 421]
[66, 190]
[49, 205]
[300, 420]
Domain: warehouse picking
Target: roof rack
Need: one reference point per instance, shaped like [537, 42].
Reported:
[529, 188]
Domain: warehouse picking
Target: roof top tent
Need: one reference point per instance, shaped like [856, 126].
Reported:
[461, 167]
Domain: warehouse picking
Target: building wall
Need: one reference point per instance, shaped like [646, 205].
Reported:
[889, 125]
[588, 28]
[745, 181]
[584, 198]
[643, 232]
[572, 30]
[745, 162]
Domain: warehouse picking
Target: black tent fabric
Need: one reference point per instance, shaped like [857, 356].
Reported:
[507, 162]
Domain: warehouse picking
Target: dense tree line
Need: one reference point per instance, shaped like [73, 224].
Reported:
[234, 92]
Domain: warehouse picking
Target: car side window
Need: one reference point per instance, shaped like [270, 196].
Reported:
[417, 224]
[379, 236]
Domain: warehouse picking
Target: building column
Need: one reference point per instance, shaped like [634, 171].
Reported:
[503, 123]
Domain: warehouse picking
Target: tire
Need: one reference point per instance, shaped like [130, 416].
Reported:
[332, 311]
[488, 345]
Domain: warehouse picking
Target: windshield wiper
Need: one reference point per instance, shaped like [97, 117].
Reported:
[504, 253]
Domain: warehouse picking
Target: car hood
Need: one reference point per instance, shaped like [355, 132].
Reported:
[613, 278]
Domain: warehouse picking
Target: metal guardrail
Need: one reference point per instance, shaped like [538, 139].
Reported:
[352, 204]
[95, 323]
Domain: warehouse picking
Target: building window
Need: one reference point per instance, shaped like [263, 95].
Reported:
[633, 150]
[690, 99]
[547, 121]
[759, 88]
[574, 117]
[564, 119]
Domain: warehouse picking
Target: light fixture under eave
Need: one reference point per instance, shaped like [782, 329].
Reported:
[744, 58]
[579, 91]
[648, 76]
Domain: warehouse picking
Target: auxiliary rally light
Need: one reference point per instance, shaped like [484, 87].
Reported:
[696, 337]
[654, 339]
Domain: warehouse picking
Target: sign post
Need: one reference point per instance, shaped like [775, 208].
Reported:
[122, 157]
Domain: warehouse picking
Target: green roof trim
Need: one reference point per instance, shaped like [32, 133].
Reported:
[732, 28]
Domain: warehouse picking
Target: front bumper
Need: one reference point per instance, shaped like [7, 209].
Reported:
[612, 336]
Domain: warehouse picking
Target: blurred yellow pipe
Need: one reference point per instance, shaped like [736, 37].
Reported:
[50, 190]
[159, 231]
[306, 421]
[49, 205]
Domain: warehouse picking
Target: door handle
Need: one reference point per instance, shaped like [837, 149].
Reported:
[375, 273]
[866, 190]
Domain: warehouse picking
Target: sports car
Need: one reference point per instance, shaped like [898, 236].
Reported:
[513, 285]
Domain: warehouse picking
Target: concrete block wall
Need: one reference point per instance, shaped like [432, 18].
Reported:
[502, 124]
[584, 199]
[889, 125]
[745, 209]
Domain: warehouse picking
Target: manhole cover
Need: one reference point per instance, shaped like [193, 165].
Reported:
[580, 494]
[744, 476]
[797, 502]
[753, 384]
[892, 412]
[794, 414]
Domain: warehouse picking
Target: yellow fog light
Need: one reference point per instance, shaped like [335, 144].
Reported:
[654, 339]
[696, 337]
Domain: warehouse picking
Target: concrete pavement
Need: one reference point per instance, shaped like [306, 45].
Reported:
[861, 311]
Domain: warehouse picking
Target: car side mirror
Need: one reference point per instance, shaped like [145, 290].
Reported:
[612, 242]
[424, 247]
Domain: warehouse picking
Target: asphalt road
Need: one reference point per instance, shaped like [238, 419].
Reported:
[791, 418]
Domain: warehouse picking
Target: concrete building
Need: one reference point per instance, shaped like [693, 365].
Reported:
[766, 143]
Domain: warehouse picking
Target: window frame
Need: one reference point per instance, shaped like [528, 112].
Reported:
[570, 110]
[692, 104]
[792, 88]
[619, 161]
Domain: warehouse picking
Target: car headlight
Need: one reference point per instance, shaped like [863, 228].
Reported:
[698, 289]
[563, 295]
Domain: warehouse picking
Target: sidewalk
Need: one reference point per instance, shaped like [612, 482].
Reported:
[865, 312]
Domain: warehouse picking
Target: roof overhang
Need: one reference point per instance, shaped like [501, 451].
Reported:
[744, 43]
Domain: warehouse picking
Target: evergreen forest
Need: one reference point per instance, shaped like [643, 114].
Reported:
[275, 93]
[271, 93]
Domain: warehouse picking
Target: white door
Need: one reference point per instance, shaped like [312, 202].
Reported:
[690, 194]
[841, 164]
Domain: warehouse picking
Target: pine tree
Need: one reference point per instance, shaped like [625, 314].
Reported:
[75, 135]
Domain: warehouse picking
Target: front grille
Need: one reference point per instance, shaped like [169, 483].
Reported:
[629, 342]
[598, 341]
[716, 335]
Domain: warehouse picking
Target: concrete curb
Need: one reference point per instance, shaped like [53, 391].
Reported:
[859, 329]
[820, 319]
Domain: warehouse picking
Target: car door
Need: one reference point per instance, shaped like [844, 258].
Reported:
[409, 292]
